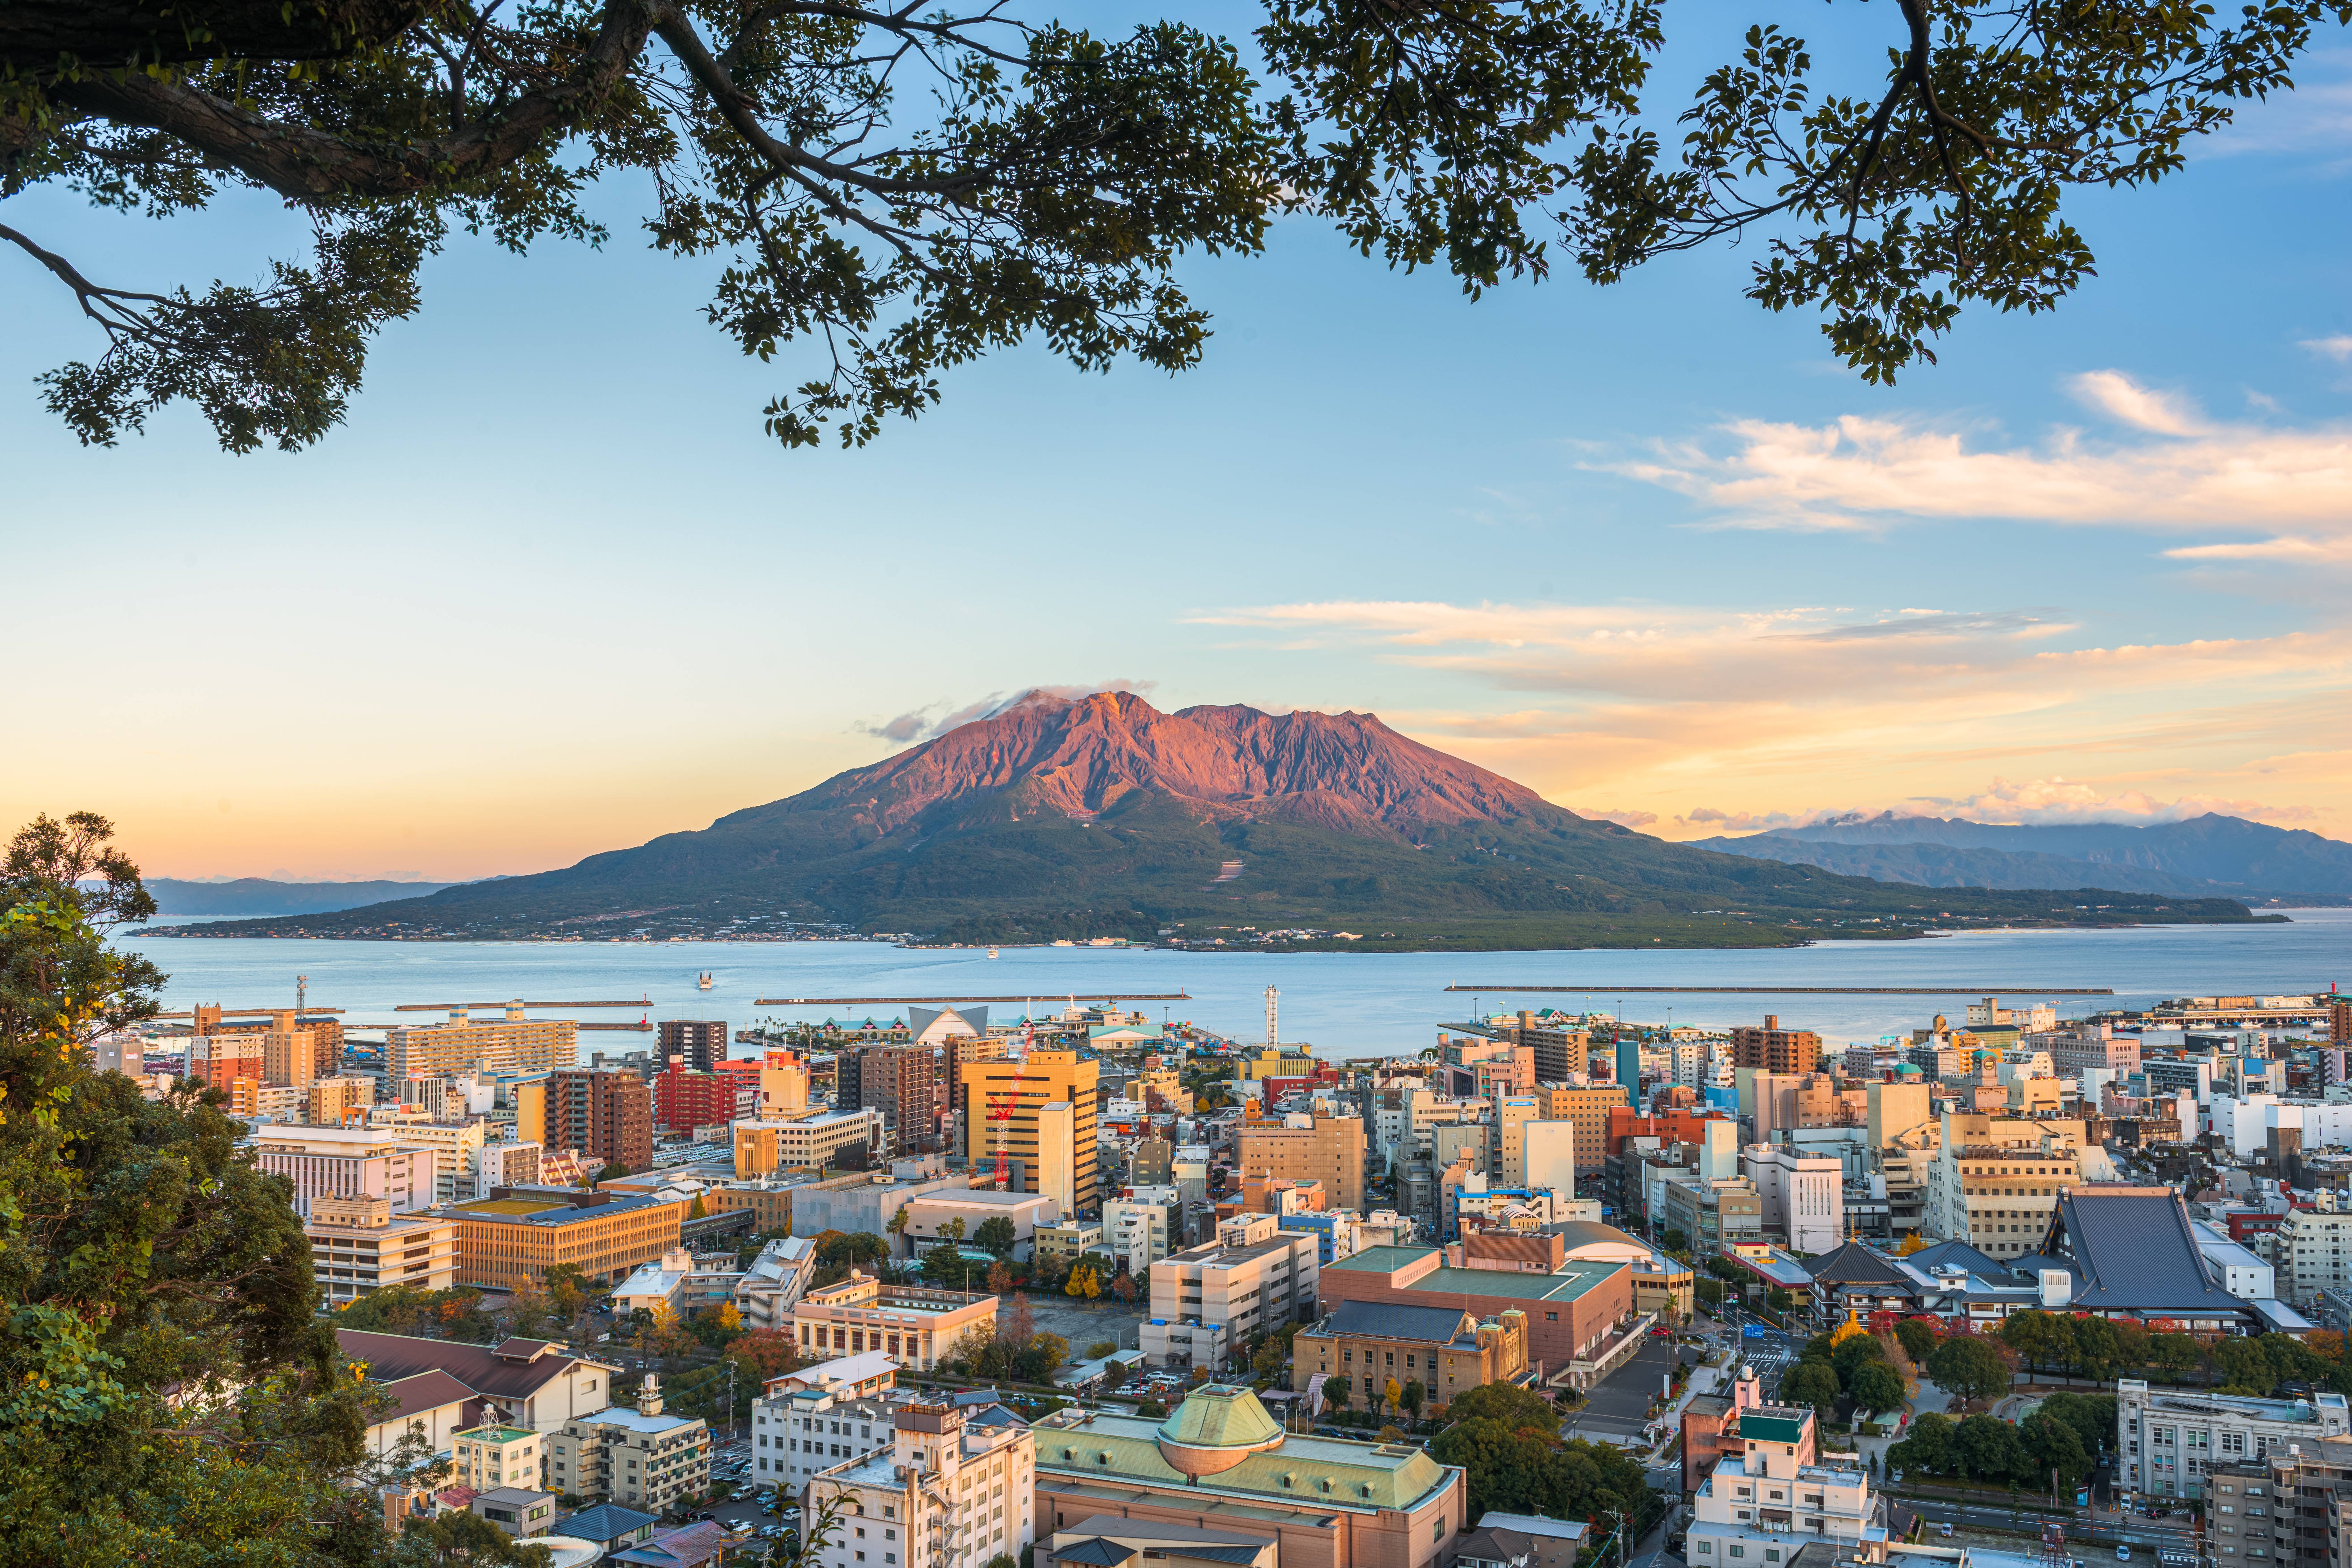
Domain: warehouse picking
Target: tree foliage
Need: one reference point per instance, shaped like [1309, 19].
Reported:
[897, 192]
[167, 1394]
[1526, 1469]
[1969, 1366]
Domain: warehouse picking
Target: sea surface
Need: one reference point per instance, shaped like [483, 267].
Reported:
[1345, 1005]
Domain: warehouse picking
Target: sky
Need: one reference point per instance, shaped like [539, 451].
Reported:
[1647, 548]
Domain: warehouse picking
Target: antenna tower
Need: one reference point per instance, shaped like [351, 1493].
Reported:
[301, 992]
[1271, 1037]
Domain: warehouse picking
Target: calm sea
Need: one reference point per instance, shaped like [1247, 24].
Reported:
[1344, 1003]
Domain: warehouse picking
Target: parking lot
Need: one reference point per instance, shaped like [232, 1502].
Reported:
[1618, 1410]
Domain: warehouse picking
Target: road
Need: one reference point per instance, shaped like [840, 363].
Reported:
[1618, 1410]
[2103, 1529]
[1770, 1351]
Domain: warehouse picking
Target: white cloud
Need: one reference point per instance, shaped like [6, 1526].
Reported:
[933, 719]
[2059, 800]
[1866, 472]
[2338, 348]
[1622, 818]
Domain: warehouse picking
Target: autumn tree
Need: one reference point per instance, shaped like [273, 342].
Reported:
[894, 192]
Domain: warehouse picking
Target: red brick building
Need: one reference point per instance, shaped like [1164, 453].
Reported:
[1775, 1049]
[1672, 1125]
[684, 1099]
[1569, 1313]
[606, 1113]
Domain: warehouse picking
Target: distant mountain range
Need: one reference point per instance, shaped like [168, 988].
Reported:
[2205, 856]
[1102, 815]
[260, 895]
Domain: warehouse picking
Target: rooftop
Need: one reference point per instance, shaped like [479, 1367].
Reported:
[550, 1211]
[496, 1434]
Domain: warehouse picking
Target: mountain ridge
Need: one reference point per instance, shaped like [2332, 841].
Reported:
[1102, 815]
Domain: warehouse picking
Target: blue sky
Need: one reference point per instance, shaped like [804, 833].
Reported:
[550, 590]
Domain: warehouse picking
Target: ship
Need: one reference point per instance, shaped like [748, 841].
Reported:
[704, 982]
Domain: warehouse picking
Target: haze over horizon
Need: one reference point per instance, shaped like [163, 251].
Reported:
[1645, 550]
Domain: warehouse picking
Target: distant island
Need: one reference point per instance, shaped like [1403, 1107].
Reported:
[1100, 816]
[260, 896]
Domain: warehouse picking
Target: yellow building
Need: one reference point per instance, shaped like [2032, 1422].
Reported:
[358, 1245]
[1050, 1073]
[1273, 1061]
[332, 1100]
[507, 1241]
[810, 1138]
[915, 1325]
[487, 1458]
[516, 1044]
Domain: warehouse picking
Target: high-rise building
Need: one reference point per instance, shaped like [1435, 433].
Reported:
[1015, 1089]
[702, 1042]
[1329, 1150]
[1628, 1065]
[898, 1081]
[221, 1059]
[684, 1099]
[348, 1163]
[1589, 1110]
[1897, 1110]
[1774, 1050]
[289, 1052]
[1058, 1153]
[515, 1044]
[960, 1049]
[2340, 1021]
[606, 1113]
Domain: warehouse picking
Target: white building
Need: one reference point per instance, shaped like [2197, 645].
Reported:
[677, 1282]
[1765, 1499]
[813, 1419]
[1994, 1181]
[945, 1494]
[1205, 1300]
[2171, 1436]
[1803, 1195]
[358, 1245]
[348, 1163]
[637, 1456]
[1135, 1228]
[2312, 1249]
[777, 1279]
[2242, 1273]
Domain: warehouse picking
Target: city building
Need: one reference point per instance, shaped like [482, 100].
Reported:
[358, 1245]
[1308, 1147]
[605, 1113]
[1995, 1182]
[1710, 1424]
[2312, 1250]
[1442, 1349]
[686, 1099]
[949, 1492]
[1547, 1154]
[2275, 1510]
[517, 1233]
[932, 1215]
[1135, 1230]
[348, 1163]
[1209, 1299]
[812, 1420]
[915, 1325]
[536, 1383]
[462, 1043]
[1662, 1284]
[678, 1283]
[869, 1201]
[2173, 1437]
[332, 1101]
[849, 1139]
[1775, 1050]
[496, 1455]
[1767, 1497]
[898, 1081]
[1001, 1097]
[701, 1044]
[775, 1282]
[1802, 1197]
[1576, 1315]
[1070, 1240]
[1107, 1539]
[638, 1456]
[2132, 1252]
[519, 1511]
[1588, 1110]
[768, 1198]
[1220, 1461]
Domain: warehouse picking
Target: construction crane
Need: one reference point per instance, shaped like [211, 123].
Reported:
[1002, 1118]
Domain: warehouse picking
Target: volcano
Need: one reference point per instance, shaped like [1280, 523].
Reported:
[1100, 815]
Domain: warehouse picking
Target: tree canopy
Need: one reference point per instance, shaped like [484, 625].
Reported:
[897, 192]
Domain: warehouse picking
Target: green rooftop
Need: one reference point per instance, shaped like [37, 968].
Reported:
[1771, 1428]
[494, 1435]
[1572, 1281]
[503, 1205]
[1380, 1259]
[1220, 1415]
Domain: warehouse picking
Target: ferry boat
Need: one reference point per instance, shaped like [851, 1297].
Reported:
[704, 982]
[991, 952]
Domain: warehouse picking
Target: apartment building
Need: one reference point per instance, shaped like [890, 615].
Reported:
[1559, 1048]
[1308, 1147]
[800, 1429]
[348, 1163]
[639, 1456]
[461, 1043]
[487, 1458]
[1774, 1050]
[605, 1113]
[517, 1233]
[221, 1061]
[1767, 1497]
[1135, 1228]
[701, 1043]
[331, 1101]
[2173, 1438]
[2080, 1046]
[358, 1245]
[900, 1081]
[1207, 1299]
[2278, 1510]
[1995, 1182]
[686, 1099]
[1588, 1109]
[914, 1325]
[948, 1492]
[1016, 1090]
[2312, 1250]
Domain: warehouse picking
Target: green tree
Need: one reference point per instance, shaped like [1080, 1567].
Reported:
[2092, 1416]
[1779, 1300]
[994, 1236]
[611, 1173]
[2097, 1350]
[1854, 1353]
[1813, 1382]
[1412, 1397]
[1512, 1408]
[2052, 1443]
[2039, 1339]
[2173, 1354]
[1877, 1388]
[1673, 1240]
[1708, 1291]
[1988, 1451]
[1917, 1339]
[462, 1539]
[566, 1290]
[1968, 1366]
[1928, 1451]
[167, 1394]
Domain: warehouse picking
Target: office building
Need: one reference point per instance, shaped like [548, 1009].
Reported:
[1767, 1497]
[332, 1101]
[516, 1235]
[701, 1044]
[220, 1061]
[1802, 1196]
[1001, 1110]
[1208, 1300]
[1057, 1154]
[1628, 1065]
[1995, 1182]
[2173, 1437]
[348, 1163]
[1774, 1050]
[1306, 1148]
[1135, 1230]
[359, 1245]
[461, 1043]
[847, 1140]
[775, 1082]
[1560, 1049]
[289, 1053]
[602, 1113]
[1512, 1114]
[949, 1492]
[635, 1456]
[1570, 1312]
[915, 1325]
[1587, 1108]
[1896, 1115]
[898, 1081]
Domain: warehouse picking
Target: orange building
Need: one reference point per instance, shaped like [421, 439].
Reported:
[1775, 1049]
[1674, 1125]
[517, 1233]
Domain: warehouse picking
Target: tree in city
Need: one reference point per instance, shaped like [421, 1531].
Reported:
[2054, 1445]
[1970, 1366]
[1988, 1451]
[994, 1236]
[168, 1392]
[1877, 1388]
[2092, 1416]
[1412, 1397]
[1927, 1450]
[1813, 1382]
[759, 1354]
[611, 1173]
[898, 1224]
[1917, 1339]
[1778, 1300]
[567, 1290]
[461, 1539]
[1100, 1349]
[1391, 1393]
[1673, 1240]
[2173, 1354]
[1708, 1291]
[1510, 1407]
[1054, 179]
[1854, 1353]
[1126, 1289]
[2039, 1339]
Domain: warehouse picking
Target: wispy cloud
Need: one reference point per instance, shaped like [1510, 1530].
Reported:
[2338, 348]
[933, 719]
[2172, 470]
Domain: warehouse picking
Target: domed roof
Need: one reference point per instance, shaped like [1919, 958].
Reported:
[1215, 1427]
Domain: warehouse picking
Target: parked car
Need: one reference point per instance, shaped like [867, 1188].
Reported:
[2123, 1552]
